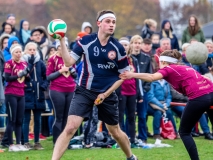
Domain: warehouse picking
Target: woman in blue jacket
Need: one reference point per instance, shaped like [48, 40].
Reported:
[34, 93]
[159, 98]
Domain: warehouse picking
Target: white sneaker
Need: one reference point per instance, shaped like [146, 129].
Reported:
[22, 147]
[13, 148]
[135, 158]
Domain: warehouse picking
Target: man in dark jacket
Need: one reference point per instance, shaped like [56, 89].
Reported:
[144, 60]
[36, 37]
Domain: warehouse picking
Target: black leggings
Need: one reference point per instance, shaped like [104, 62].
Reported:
[15, 109]
[61, 103]
[191, 115]
[128, 103]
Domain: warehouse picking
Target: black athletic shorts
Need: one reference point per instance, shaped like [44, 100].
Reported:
[83, 102]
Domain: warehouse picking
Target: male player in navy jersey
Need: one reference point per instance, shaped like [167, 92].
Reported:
[104, 59]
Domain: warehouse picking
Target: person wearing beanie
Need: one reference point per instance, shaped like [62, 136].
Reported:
[166, 32]
[86, 27]
[15, 71]
[7, 56]
[12, 40]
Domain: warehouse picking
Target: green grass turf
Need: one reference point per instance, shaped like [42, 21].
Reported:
[177, 152]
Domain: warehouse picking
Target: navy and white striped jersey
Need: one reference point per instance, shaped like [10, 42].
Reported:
[102, 64]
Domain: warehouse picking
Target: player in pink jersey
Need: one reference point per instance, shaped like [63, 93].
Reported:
[15, 72]
[189, 82]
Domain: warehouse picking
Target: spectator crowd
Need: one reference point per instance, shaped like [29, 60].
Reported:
[34, 81]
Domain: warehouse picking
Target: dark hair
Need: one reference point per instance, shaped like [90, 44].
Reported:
[3, 26]
[172, 53]
[147, 41]
[36, 30]
[100, 13]
[2, 40]
[193, 30]
[48, 52]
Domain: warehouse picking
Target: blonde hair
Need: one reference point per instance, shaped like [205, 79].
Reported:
[133, 39]
[150, 22]
[29, 44]
[165, 35]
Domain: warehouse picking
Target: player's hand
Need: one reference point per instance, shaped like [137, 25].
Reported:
[64, 69]
[126, 75]
[140, 101]
[100, 99]
[165, 107]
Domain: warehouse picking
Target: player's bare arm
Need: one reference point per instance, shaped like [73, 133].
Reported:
[104, 95]
[68, 60]
[143, 76]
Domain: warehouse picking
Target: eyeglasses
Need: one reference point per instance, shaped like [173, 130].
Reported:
[35, 35]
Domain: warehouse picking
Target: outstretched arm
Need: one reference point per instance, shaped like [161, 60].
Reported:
[104, 95]
[68, 60]
[143, 76]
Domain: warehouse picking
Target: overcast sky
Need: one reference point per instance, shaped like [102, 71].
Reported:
[163, 2]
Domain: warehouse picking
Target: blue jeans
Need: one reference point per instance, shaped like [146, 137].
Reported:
[2, 119]
[37, 124]
[204, 124]
[178, 110]
[157, 114]
[142, 112]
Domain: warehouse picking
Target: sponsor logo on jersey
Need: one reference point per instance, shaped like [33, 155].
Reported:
[109, 65]
[111, 55]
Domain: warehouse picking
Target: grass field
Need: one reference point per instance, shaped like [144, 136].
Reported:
[177, 152]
